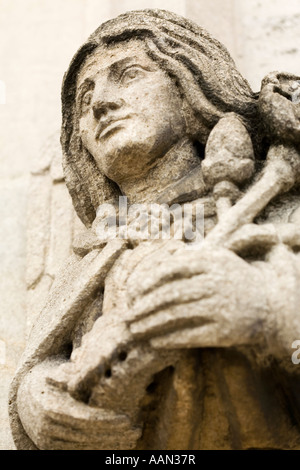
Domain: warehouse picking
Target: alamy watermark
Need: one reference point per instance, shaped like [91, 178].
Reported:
[2, 92]
[296, 354]
[295, 89]
[138, 222]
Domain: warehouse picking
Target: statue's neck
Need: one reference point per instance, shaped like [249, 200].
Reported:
[172, 167]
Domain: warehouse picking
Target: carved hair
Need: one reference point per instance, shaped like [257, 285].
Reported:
[196, 61]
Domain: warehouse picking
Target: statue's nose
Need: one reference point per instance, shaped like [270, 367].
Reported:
[101, 107]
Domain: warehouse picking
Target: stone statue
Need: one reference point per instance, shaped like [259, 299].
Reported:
[145, 344]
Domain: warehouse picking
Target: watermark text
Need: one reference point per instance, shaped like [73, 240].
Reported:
[139, 222]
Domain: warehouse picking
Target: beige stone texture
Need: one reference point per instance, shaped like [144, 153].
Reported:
[267, 38]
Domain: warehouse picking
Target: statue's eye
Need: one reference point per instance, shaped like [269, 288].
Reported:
[86, 101]
[132, 73]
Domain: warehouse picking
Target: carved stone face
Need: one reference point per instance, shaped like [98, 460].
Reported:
[130, 111]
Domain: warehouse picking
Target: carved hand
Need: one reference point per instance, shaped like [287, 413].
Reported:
[205, 298]
[56, 421]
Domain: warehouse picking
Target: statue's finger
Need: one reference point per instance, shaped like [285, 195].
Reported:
[204, 336]
[180, 266]
[177, 292]
[175, 318]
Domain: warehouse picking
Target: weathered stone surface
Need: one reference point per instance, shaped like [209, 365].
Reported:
[259, 27]
[60, 228]
[36, 297]
[38, 216]
[12, 289]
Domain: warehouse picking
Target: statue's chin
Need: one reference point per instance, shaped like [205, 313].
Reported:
[125, 167]
[130, 159]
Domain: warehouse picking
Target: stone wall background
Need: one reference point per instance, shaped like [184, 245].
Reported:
[37, 41]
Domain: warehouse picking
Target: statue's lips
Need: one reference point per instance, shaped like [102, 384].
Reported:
[109, 125]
